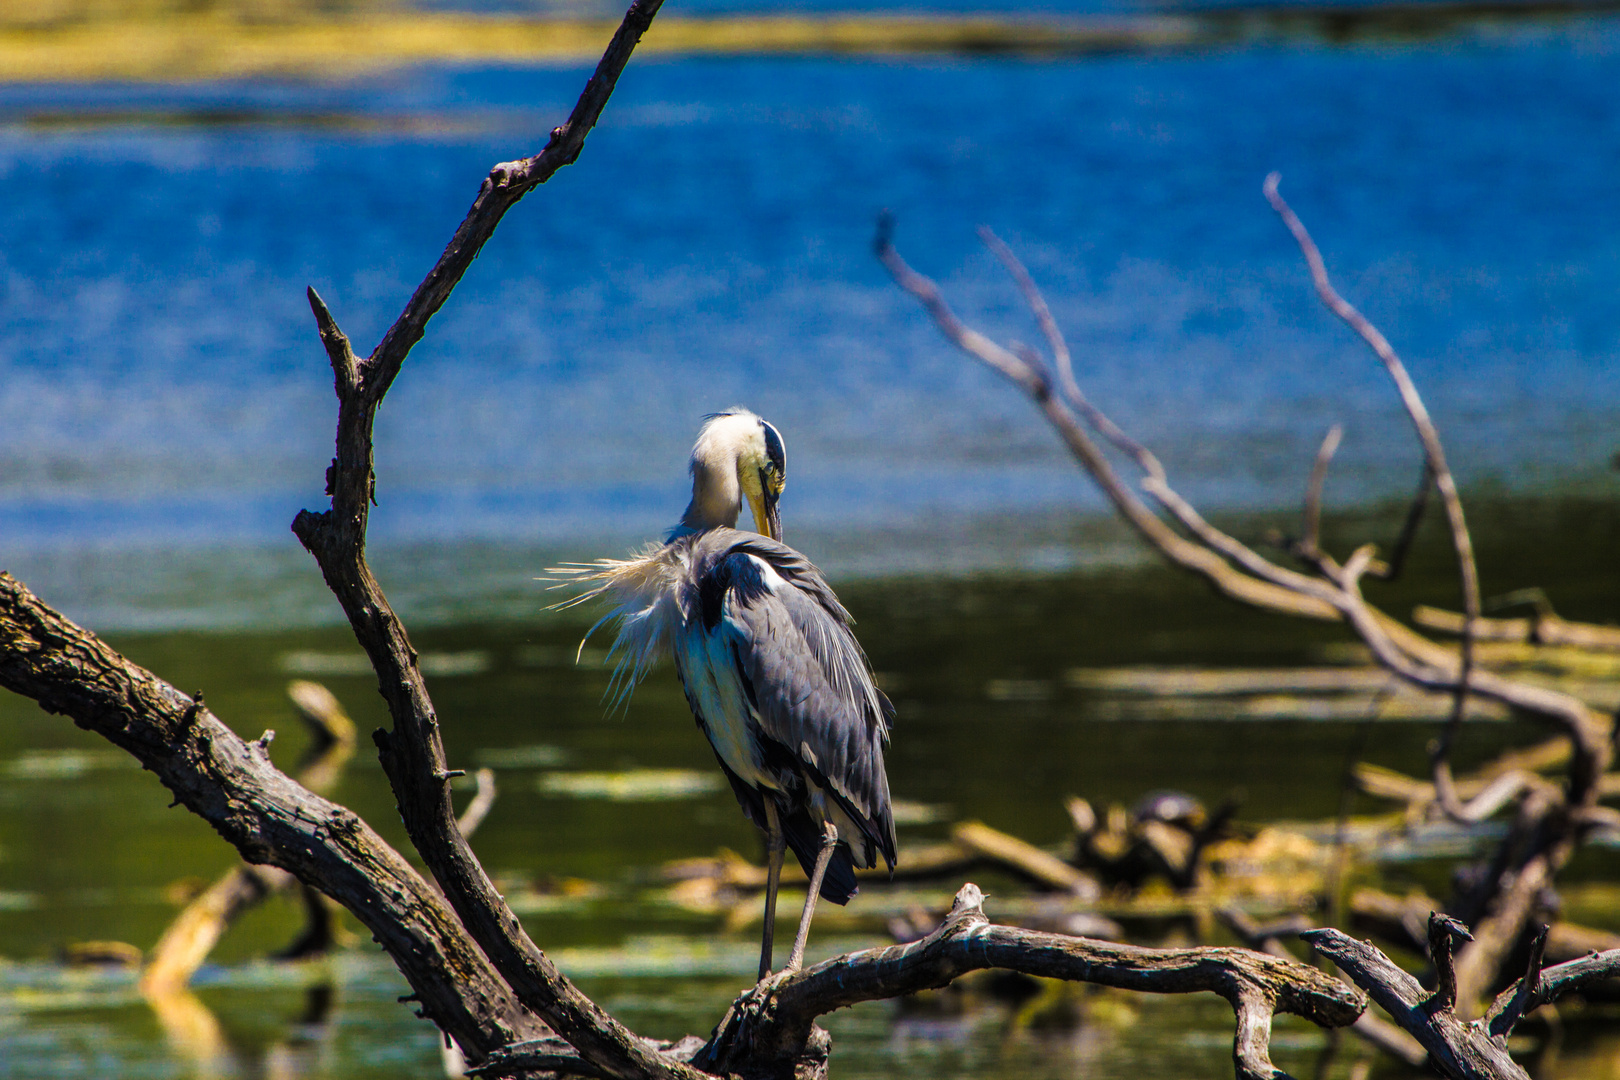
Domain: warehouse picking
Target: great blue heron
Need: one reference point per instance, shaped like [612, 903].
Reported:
[774, 676]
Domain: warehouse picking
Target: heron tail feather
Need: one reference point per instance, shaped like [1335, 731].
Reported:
[803, 835]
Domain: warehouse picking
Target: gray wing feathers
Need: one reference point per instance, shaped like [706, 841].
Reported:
[810, 681]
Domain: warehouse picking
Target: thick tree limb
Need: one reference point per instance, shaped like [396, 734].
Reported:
[197, 929]
[231, 784]
[774, 1021]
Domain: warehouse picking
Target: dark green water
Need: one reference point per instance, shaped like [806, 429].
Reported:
[987, 728]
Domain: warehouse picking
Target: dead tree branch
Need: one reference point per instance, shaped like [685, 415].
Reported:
[772, 1026]
[1506, 902]
[1461, 1050]
[1436, 470]
[1543, 628]
[1537, 988]
[230, 783]
[413, 753]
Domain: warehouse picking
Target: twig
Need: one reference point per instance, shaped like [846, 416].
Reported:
[1311, 535]
[1444, 932]
[1409, 527]
[1191, 556]
[1435, 456]
[482, 802]
[1511, 1005]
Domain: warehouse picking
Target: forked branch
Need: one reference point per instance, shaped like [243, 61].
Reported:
[413, 753]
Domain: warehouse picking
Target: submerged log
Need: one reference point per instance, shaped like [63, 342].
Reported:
[197, 929]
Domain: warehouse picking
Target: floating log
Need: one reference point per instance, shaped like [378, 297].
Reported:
[1225, 682]
[1542, 629]
[1024, 859]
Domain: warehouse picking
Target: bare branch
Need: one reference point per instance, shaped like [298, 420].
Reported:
[1409, 527]
[1513, 1003]
[482, 802]
[1368, 1026]
[1191, 556]
[192, 935]
[1099, 421]
[345, 368]
[413, 754]
[1243, 574]
[960, 334]
[1444, 932]
[1540, 629]
[1537, 988]
[506, 184]
[1037, 307]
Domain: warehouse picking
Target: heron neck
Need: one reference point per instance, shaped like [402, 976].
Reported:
[716, 498]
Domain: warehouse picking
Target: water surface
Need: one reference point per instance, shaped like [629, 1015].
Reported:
[168, 410]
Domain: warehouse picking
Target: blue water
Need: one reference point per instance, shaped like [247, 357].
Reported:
[162, 387]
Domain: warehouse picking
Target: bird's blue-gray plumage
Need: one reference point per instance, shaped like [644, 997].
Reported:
[765, 654]
[762, 629]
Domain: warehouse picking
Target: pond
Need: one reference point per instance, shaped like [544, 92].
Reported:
[168, 412]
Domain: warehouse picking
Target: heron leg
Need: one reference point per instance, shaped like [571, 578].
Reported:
[829, 842]
[775, 844]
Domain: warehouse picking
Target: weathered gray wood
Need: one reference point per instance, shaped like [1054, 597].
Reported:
[1463, 1051]
[774, 1022]
[1538, 987]
[231, 784]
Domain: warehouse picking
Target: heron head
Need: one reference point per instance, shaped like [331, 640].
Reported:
[738, 456]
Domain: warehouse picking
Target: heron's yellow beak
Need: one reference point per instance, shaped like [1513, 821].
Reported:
[767, 518]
